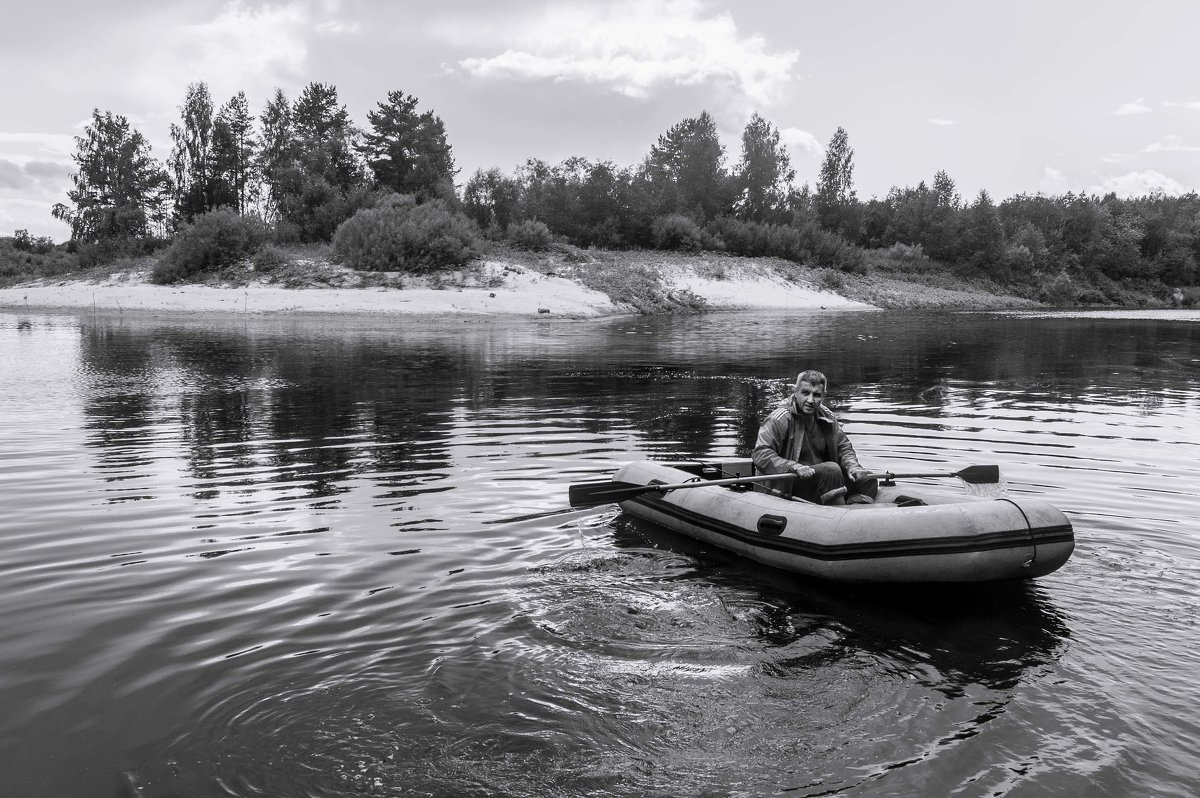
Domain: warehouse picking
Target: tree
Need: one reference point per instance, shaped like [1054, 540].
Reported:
[942, 235]
[314, 177]
[604, 206]
[764, 175]
[685, 172]
[324, 138]
[277, 153]
[234, 146]
[835, 200]
[490, 200]
[120, 191]
[407, 151]
[984, 233]
[551, 194]
[191, 157]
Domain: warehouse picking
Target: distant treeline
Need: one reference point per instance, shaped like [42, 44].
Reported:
[302, 169]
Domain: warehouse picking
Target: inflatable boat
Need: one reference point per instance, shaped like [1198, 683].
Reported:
[911, 533]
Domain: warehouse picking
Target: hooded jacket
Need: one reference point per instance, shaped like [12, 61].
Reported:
[780, 444]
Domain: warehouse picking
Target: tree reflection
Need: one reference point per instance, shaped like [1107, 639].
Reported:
[311, 409]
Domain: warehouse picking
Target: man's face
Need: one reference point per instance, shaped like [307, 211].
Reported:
[809, 397]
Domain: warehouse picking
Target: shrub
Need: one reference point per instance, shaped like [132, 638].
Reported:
[677, 232]
[831, 279]
[740, 237]
[1191, 295]
[807, 243]
[269, 257]
[831, 250]
[1061, 291]
[401, 236]
[532, 235]
[19, 264]
[212, 241]
[109, 250]
[906, 253]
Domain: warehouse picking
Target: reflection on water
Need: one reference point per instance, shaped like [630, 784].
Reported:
[322, 557]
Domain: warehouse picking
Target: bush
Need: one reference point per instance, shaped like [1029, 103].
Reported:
[110, 250]
[212, 241]
[19, 264]
[1061, 291]
[805, 244]
[531, 235]
[907, 253]
[831, 250]
[677, 232]
[831, 280]
[269, 258]
[402, 236]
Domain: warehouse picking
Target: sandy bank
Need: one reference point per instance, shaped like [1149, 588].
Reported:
[492, 288]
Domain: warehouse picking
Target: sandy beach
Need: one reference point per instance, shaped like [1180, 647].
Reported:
[495, 288]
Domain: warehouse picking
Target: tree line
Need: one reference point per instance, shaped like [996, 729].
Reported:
[303, 168]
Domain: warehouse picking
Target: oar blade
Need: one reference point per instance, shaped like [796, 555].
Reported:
[980, 475]
[589, 494]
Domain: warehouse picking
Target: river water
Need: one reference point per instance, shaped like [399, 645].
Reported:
[333, 556]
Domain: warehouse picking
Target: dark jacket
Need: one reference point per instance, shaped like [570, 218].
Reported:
[780, 442]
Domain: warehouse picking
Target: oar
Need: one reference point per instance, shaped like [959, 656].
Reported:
[589, 494]
[972, 475]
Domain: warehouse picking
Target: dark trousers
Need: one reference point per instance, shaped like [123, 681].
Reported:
[830, 476]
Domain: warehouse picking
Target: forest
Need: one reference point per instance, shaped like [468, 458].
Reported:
[387, 196]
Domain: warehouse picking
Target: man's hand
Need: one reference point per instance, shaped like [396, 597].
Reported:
[803, 471]
[859, 474]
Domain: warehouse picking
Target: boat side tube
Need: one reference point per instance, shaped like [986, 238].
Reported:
[963, 541]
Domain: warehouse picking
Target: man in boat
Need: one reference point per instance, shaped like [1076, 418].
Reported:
[802, 436]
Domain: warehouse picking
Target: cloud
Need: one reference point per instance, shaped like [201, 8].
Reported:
[11, 175]
[261, 45]
[801, 141]
[48, 170]
[1139, 184]
[54, 145]
[1053, 182]
[1138, 106]
[20, 213]
[1170, 143]
[16, 173]
[634, 48]
[933, 120]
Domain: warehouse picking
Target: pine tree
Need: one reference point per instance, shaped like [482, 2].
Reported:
[234, 146]
[407, 151]
[324, 137]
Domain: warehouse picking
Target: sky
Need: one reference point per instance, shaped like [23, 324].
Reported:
[1009, 97]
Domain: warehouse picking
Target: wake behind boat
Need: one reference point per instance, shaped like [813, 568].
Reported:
[912, 533]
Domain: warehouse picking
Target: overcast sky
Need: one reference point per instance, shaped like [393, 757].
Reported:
[1012, 97]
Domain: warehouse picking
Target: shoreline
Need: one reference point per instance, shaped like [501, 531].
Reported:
[493, 288]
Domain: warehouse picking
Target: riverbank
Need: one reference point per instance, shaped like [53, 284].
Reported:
[564, 284]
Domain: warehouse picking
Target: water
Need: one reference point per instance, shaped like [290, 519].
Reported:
[326, 557]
